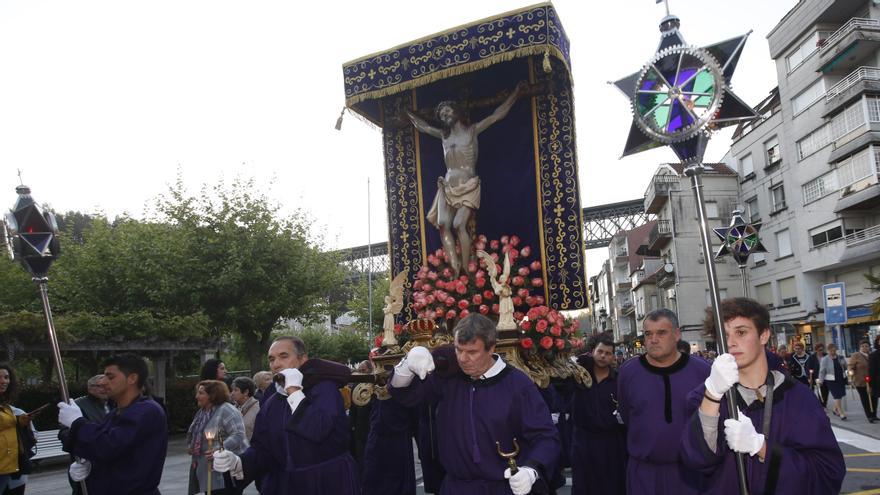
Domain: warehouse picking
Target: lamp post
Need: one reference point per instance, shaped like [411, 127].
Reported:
[678, 98]
[31, 236]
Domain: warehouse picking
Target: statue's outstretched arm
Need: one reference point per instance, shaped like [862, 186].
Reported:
[503, 109]
[423, 126]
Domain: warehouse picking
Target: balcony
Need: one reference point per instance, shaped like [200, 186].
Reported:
[863, 236]
[660, 235]
[864, 195]
[846, 47]
[855, 83]
[666, 276]
[658, 192]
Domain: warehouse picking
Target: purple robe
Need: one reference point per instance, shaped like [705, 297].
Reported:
[652, 403]
[305, 452]
[429, 454]
[598, 452]
[473, 414]
[802, 453]
[389, 465]
[127, 449]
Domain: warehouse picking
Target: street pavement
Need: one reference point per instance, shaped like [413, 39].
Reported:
[858, 439]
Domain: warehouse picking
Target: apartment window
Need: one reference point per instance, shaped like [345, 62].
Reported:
[854, 282]
[764, 294]
[808, 96]
[773, 154]
[855, 168]
[759, 259]
[722, 293]
[783, 243]
[747, 167]
[777, 197]
[711, 209]
[752, 210]
[825, 234]
[820, 186]
[873, 103]
[814, 141]
[788, 291]
[852, 118]
[803, 51]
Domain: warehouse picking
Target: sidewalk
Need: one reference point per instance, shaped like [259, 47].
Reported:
[855, 418]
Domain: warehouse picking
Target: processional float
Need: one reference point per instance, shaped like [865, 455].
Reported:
[678, 99]
[482, 187]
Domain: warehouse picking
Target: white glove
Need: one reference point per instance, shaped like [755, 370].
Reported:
[225, 460]
[420, 361]
[741, 435]
[292, 378]
[68, 413]
[521, 482]
[294, 399]
[80, 470]
[417, 362]
[724, 375]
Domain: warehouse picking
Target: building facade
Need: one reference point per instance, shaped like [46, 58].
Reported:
[678, 272]
[808, 170]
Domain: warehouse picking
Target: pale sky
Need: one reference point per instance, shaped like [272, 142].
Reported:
[101, 102]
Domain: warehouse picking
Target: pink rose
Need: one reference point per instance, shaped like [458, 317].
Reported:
[546, 342]
[523, 271]
[495, 309]
[518, 281]
[463, 304]
[522, 293]
[478, 299]
[537, 282]
[480, 282]
[560, 344]
[514, 240]
[450, 315]
[517, 301]
[526, 251]
[535, 266]
[555, 331]
[526, 325]
[505, 239]
[526, 343]
[464, 313]
[493, 245]
[530, 301]
[484, 310]
[541, 326]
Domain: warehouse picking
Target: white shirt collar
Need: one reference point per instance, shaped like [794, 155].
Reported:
[495, 368]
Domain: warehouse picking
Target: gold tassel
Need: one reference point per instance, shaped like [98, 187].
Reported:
[547, 67]
[339, 120]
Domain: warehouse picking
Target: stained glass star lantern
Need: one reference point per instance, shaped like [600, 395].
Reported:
[31, 234]
[739, 240]
[682, 94]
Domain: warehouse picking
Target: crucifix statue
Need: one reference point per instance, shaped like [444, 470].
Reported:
[458, 193]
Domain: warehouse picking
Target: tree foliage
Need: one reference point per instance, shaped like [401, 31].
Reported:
[359, 303]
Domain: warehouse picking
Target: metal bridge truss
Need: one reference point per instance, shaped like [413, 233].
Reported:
[600, 224]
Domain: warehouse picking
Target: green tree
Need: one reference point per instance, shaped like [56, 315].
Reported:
[359, 303]
[251, 266]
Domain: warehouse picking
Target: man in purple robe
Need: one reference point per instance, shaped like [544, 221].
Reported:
[125, 452]
[389, 463]
[782, 431]
[598, 452]
[301, 436]
[487, 402]
[651, 394]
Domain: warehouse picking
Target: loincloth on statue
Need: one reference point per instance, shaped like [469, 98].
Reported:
[464, 194]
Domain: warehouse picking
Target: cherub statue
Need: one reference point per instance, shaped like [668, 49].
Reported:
[502, 290]
[393, 306]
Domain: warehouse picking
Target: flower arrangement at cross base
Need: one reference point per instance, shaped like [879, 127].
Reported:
[440, 293]
[548, 333]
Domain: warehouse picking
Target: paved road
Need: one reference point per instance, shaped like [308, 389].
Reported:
[859, 441]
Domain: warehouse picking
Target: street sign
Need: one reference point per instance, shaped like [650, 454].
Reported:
[835, 303]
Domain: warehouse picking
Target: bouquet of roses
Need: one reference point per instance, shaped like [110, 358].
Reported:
[438, 292]
[548, 332]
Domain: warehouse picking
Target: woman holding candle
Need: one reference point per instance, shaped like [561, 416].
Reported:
[219, 424]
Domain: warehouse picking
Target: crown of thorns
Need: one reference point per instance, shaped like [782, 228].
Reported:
[447, 103]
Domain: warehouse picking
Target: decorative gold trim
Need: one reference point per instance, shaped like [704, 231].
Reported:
[458, 70]
[538, 186]
[418, 150]
[448, 31]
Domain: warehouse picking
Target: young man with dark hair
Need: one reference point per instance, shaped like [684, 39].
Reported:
[125, 452]
[651, 394]
[300, 442]
[782, 432]
[486, 402]
[598, 452]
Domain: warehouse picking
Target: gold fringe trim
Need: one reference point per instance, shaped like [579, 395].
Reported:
[459, 70]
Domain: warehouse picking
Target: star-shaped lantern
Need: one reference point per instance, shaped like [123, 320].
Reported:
[740, 239]
[682, 94]
[31, 234]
